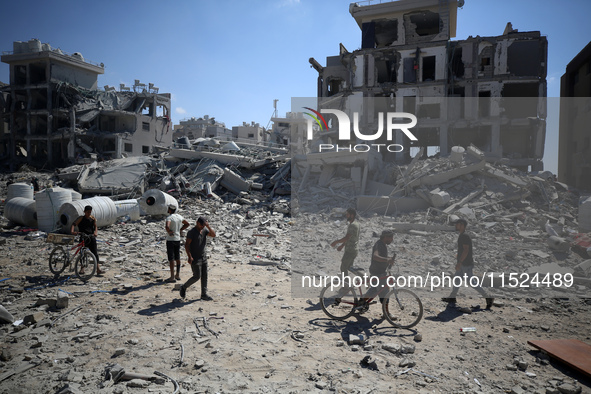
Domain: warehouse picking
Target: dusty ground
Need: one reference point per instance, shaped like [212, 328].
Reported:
[267, 341]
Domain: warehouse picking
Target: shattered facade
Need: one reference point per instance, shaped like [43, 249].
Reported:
[283, 128]
[489, 91]
[574, 152]
[252, 132]
[57, 115]
[205, 127]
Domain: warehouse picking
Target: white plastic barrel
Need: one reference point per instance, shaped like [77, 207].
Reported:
[103, 209]
[24, 190]
[75, 195]
[129, 208]
[21, 211]
[457, 154]
[156, 202]
[48, 203]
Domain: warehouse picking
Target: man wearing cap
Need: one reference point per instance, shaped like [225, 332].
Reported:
[195, 248]
[380, 262]
[465, 263]
[175, 225]
[87, 225]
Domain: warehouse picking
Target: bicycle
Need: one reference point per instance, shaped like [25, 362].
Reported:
[85, 264]
[401, 307]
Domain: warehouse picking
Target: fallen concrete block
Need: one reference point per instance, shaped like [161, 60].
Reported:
[62, 300]
[234, 182]
[558, 244]
[439, 198]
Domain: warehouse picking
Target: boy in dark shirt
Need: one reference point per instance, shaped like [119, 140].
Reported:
[465, 263]
[195, 248]
[87, 225]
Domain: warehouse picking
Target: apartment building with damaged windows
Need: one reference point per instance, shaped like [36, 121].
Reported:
[486, 91]
[574, 151]
[56, 114]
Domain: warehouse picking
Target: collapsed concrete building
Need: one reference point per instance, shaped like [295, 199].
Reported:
[57, 115]
[574, 154]
[205, 127]
[488, 91]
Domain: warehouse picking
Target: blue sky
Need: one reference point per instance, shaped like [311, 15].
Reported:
[230, 59]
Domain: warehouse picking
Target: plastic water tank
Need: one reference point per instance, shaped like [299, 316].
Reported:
[156, 202]
[21, 211]
[24, 190]
[48, 203]
[75, 195]
[103, 209]
[457, 154]
[34, 45]
[129, 208]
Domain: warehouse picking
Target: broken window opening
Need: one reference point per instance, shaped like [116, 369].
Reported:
[524, 58]
[20, 75]
[386, 32]
[160, 111]
[479, 136]
[250, 135]
[410, 70]
[514, 102]
[334, 86]
[426, 23]
[39, 124]
[146, 126]
[429, 68]
[37, 73]
[127, 147]
[147, 109]
[484, 62]
[484, 104]
[519, 139]
[38, 98]
[457, 65]
[145, 149]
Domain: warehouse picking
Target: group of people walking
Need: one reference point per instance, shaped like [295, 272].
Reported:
[380, 262]
[175, 225]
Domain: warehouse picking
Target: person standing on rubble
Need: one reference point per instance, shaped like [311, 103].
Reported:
[195, 248]
[465, 264]
[175, 225]
[87, 225]
[349, 241]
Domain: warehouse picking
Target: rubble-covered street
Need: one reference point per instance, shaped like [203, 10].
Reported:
[123, 331]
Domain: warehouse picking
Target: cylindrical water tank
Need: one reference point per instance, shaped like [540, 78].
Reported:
[48, 204]
[103, 209]
[75, 195]
[156, 202]
[130, 208]
[21, 211]
[24, 190]
[457, 154]
[34, 45]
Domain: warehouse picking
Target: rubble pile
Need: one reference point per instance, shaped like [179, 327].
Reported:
[128, 331]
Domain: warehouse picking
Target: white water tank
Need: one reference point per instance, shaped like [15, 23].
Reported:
[129, 208]
[48, 204]
[585, 216]
[24, 190]
[21, 211]
[75, 195]
[156, 202]
[457, 154]
[103, 209]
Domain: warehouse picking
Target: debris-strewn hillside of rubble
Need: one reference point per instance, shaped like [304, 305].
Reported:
[128, 331]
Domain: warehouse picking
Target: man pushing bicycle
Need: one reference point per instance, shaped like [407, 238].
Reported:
[87, 225]
[380, 262]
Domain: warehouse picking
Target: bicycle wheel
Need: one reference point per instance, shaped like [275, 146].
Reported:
[339, 302]
[85, 265]
[58, 260]
[403, 308]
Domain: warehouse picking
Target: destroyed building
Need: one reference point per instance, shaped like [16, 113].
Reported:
[488, 91]
[283, 128]
[252, 132]
[574, 152]
[57, 115]
[205, 127]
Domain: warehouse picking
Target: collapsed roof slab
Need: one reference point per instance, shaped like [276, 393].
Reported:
[437, 179]
[384, 205]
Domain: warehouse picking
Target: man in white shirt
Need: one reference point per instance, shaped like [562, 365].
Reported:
[175, 225]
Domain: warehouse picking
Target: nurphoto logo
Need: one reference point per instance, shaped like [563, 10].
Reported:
[344, 130]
